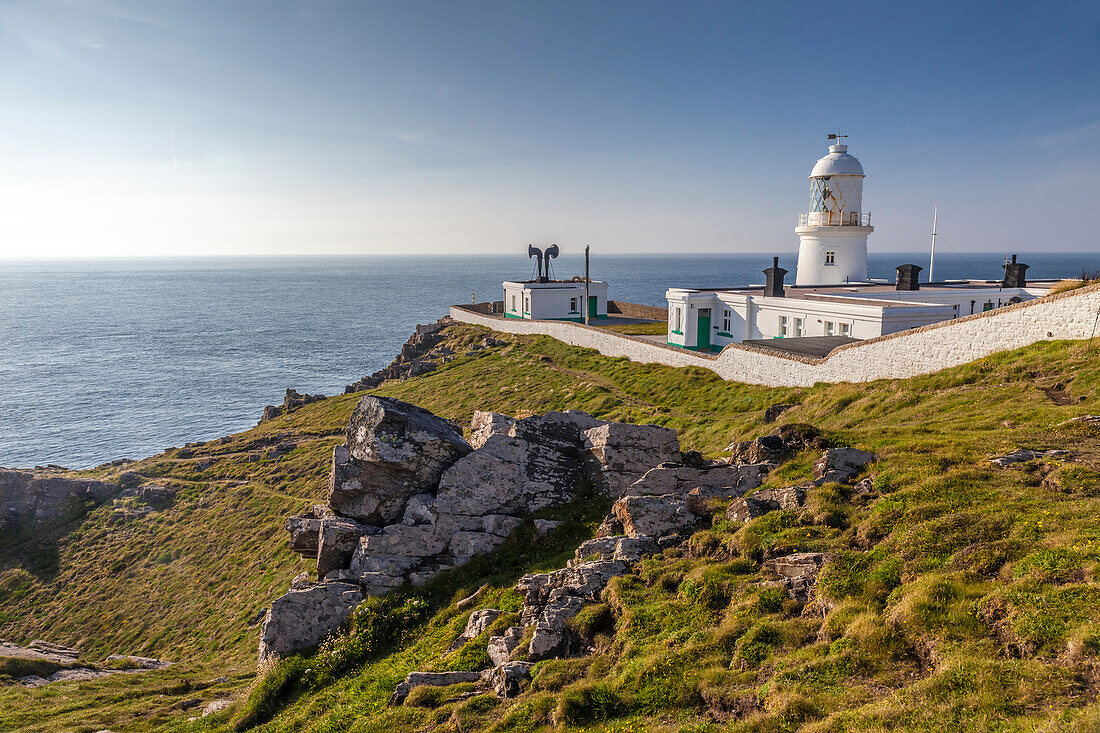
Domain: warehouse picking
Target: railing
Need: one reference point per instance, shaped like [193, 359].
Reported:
[834, 219]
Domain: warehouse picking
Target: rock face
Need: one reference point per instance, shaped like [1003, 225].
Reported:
[393, 451]
[797, 572]
[1022, 456]
[410, 498]
[762, 502]
[30, 499]
[781, 444]
[618, 453]
[305, 616]
[840, 465]
[291, 401]
[419, 355]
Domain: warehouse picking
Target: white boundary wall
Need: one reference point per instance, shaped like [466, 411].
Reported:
[1068, 315]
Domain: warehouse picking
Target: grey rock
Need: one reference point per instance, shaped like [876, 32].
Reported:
[618, 454]
[654, 516]
[507, 476]
[304, 529]
[797, 573]
[626, 549]
[435, 679]
[216, 706]
[712, 479]
[507, 679]
[1022, 456]
[500, 648]
[478, 623]
[41, 498]
[840, 465]
[747, 508]
[1088, 420]
[779, 445]
[337, 540]
[393, 452]
[466, 545]
[542, 526]
[133, 662]
[775, 411]
[302, 618]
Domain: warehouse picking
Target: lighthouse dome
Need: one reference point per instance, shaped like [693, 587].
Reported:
[837, 163]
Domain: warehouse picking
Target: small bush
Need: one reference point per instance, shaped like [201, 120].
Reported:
[756, 645]
[588, 702]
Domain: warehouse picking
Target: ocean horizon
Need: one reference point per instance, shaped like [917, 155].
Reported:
[121, 358]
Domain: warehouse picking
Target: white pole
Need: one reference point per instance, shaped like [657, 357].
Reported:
[932, 259]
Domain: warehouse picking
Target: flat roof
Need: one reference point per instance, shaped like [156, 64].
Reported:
[816, 346]
[854, 290]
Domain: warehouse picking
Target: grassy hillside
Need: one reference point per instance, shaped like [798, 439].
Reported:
[963, 594]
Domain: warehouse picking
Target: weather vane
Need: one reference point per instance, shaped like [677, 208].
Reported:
[835, 136]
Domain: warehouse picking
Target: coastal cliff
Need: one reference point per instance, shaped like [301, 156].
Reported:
[924, 552]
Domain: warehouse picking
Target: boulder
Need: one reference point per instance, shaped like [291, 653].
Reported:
[302, 618]
[420, 509]
[337, 539]
[434, 679]
[797, 573]
[507, 475]
[1022, 456]
[712, 479]
[393, 452]
[500, 648]
[507, 679]
[618, 454]
[304, 529]
[478, 623]
[621, 547]
[654, 516]
[769, 500]
[840, 465]
[773, 412]
[777, 446]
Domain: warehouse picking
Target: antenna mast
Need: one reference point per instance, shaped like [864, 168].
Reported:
[932, 258]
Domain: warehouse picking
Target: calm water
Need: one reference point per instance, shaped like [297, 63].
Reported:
[109, 359]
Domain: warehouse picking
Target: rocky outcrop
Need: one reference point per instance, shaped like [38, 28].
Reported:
[393, 451]
[409, 498]
[303, 617]
[797, 573]
[618, 453]
[774, 412]
[1022, 456]
[781, 444]
[424, 352]
[762, 502]
[46, 662]
[291, 401]
[433, 679]
[31, 499]
[840, 465]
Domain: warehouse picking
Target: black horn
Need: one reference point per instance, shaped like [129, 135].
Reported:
[551, 252]
[533, 251]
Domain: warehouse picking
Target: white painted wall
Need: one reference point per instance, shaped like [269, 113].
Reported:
[927, 349]
[849, 247]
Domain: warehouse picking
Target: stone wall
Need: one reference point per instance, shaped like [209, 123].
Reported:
[1068, 315]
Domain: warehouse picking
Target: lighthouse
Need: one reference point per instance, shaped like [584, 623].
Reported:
[833, 235]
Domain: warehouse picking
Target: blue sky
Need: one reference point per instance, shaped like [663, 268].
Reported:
[420, 127]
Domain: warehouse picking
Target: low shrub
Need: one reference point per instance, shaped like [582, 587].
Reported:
[588, 702]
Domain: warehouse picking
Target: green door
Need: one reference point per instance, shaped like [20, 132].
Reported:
[702, 340]
[592, 310]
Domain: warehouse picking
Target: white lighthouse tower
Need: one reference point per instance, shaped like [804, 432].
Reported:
[833, 235]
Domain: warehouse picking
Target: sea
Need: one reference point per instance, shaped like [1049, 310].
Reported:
[106, 359]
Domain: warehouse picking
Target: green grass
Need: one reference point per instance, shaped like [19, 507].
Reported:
[660, 328]
[959, 596]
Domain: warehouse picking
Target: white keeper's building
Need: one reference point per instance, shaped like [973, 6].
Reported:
[556, 300]
[832, 296]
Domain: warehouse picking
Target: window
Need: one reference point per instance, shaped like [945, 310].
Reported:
[830, 257]
[513, 303]
[527, 304]
[845, 329]
[572, 305]
[828, 328]
[987, 307]
[676, 321]
[798, 322]
[726, 321]
[782, 327]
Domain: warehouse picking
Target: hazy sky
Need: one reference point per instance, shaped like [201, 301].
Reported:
[166, 128]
